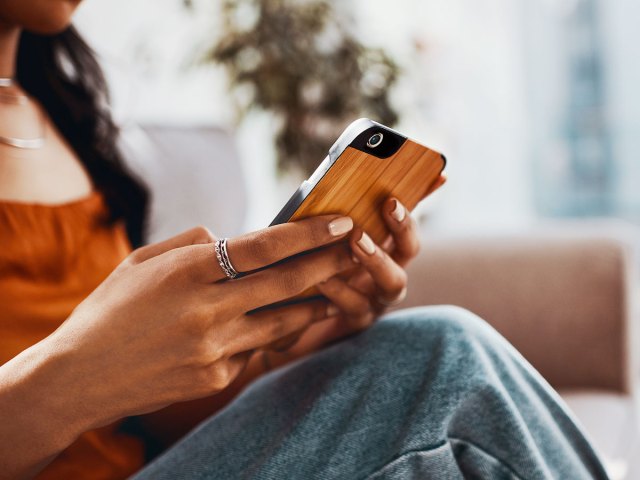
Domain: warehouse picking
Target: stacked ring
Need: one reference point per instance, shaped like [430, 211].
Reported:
[223, 259]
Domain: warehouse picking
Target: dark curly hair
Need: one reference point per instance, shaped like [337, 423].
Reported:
[62, 73]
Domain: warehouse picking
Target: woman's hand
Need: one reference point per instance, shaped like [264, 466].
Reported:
[382, 280]
[358, 300]
[164, 327]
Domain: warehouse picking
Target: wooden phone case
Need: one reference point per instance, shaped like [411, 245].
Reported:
[358, 183]
[355, 180]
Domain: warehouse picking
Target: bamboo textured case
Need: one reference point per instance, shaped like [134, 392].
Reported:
[358, 184]
[357, 177]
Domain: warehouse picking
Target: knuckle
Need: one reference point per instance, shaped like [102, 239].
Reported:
[194, 324]
[361, 307]
[277, 327]
[379, 258]
[165, 276]
[219, 376]
[202, 234]
[292, 282]
[202, 355]
[414, 241]
[416, 249]
[134, 257]
[317, 232]
[318, 312]
[215, 352]
[399, 281]
[173, 271]
[285, 344]
[213, 378]
[226, 304]
[363, 322]
[261, 247]
[342, 259]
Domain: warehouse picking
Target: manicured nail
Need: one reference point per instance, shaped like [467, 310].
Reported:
[399, 212]
[366, 244]
[340, 226]
[332, 310]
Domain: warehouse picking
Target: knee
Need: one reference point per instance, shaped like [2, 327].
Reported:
[440, 321]
[446, 345]
[431, 327]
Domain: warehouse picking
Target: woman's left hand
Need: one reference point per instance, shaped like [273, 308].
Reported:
[381, 281]
[358, 300]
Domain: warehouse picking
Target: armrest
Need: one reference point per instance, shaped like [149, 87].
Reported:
[562, 302]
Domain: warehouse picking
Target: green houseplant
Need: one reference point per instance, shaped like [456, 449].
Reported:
[298, 60]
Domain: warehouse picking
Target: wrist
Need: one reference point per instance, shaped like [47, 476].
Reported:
[39, 401]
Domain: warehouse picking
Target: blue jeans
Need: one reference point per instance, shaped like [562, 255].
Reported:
[426, 393]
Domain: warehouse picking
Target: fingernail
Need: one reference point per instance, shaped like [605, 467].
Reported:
[332, 310]
[340, 226]
[366, 244]
[399, 212]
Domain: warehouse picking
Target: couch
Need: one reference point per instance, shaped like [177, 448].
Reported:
[564, 294]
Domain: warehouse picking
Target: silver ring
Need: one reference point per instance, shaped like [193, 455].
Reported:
[223, 259]
[392, 303]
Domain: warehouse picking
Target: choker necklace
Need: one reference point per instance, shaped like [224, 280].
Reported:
[23, 143]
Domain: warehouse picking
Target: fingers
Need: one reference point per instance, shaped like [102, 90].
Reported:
[361, 280]
[389, 277]
[266, 247]
[442, 179]
[285, 343]
[404, 231]
[346, 298]
[195, 236]
[261, 329]
[284, 281]
[260, 249]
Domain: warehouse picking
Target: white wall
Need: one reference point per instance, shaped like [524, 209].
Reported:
[465, 95]
[622, 56]
[485, 86]
[146, 47]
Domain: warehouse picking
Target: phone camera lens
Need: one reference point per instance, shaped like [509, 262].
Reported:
[375, 140]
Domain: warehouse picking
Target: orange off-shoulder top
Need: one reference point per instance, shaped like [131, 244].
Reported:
[51, 258]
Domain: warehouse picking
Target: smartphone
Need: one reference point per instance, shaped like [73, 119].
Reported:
[368, 163]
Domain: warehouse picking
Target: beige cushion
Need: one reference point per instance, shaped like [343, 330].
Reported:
[194, 176]
[561, 301]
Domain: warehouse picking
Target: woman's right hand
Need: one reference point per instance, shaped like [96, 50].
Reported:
[164, 327]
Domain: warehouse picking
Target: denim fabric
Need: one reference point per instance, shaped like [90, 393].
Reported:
[426, 393]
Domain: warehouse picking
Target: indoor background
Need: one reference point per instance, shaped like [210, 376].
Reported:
[535, 104]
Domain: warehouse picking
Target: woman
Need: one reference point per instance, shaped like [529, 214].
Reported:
[92, 334]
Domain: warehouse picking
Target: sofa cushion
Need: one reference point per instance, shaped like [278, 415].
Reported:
[561, 301]
[194, 175]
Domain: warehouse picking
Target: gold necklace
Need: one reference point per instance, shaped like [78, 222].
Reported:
[23, 143]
